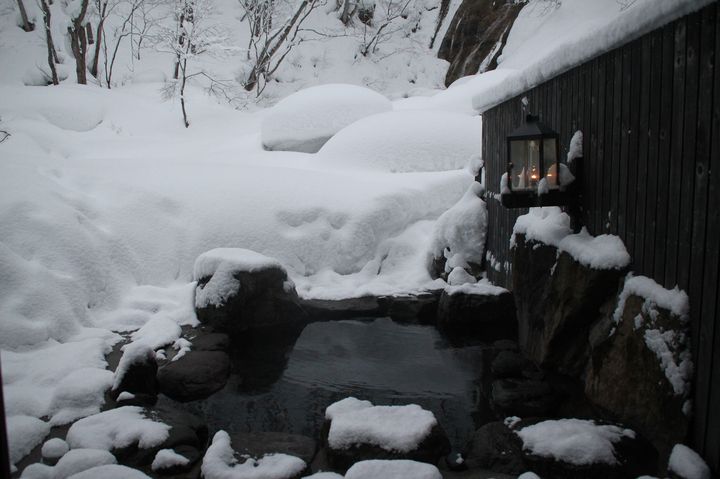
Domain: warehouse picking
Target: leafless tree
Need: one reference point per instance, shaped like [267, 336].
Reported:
[28, 26]
[271, 39]
[191, 37]
[51, 53]
[383, 25]
[78, 41]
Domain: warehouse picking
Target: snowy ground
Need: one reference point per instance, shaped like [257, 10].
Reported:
[106, 200]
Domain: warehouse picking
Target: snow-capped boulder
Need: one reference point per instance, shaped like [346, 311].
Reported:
[405, 141]
[307, 119]
[240, 290]
[641, 369]
[196, 375]
[358, 431]
[395, 469]
[478, 309]
[136, 372]
[684, 463]
[561, 282]
[259, 444]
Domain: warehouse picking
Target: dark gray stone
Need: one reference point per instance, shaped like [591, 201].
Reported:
[494, 446]
[196, 375]
[558, 302]
[140, 378]
[328, 309]
[263, 300]
[625, 377]
[258, 444]
[487, 316]
[421, 308]
[509, 364]
[211, 342]
[523, 397]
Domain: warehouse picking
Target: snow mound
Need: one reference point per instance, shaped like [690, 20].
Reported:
[575, 441]
[80, 394]
[220, 463]
[54, 448]
[397, 469]
[324, 475]
[117, 428]
[599, 252]
[482, 288]
[687, 464]
[547, 225]
[349, 404]
[306, 120]
[404, 141]
[460, 231]
[24, 433]
[79, 460]
[167, 458]
[393, 428]
[110, 471]
[222, 264]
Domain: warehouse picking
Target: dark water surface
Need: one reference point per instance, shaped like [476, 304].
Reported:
[378, 360]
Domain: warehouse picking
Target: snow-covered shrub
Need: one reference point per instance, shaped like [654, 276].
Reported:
[306, 120]
[404, 141]
[459, 236]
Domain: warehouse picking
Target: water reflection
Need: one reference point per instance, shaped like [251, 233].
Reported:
[378, 360]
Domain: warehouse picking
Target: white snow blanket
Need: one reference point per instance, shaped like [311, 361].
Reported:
[393, 428]
[397, 469]
[306, 120]
[220, 463]
[575, 441]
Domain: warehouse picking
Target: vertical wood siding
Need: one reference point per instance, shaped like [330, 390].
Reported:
[650, 115]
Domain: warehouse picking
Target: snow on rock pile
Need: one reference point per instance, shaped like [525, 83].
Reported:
[481, 288]
[403, 141]
[459, 233]
[220, 463]
[393, 428]
[117, 428]
[110, 471]
[79, 460]
[324, 475]
[24, 433]
[167, 458]
[81, 393]
[551, 226]
[574, 441]
[392, 469]
[54, 448]
[306, 120]
[222, 264]
[687, 464]
[671, 347]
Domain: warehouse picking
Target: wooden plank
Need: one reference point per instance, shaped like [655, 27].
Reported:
[687, 183]
[664, 147]
[623, 163]
[596, 131]
[655, 94]
[641, 181]
[676, 155]
[606, 141]
[617, 137]
[706, 222]
[633, 228]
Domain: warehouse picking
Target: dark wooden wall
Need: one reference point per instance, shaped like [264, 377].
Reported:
[650, 115]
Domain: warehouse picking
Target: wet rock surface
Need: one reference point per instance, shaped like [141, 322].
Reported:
[196, 375]
[482, 315]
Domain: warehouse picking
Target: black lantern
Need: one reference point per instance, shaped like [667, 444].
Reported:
[533, 176]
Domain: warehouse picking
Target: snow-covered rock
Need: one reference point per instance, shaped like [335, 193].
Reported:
[79, 460]
[81, 393]
[684, 463]
[359, 431]
[136, 372]
[306, 120]
[54, 448]
[459, 235]
[405, 142]
[219, 463]
[168, 459]
[392, 469]
[24, 433]
[117, 428]
[110, 471]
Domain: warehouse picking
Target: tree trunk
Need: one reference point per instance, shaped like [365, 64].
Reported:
[345, 17]
[182, 93]
[78, 43]
[27, 26]
[49, 41]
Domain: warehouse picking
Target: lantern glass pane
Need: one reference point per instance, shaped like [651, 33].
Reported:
[525, 156]
[550, 161]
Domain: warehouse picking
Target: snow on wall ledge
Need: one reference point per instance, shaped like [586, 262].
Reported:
[551, 226]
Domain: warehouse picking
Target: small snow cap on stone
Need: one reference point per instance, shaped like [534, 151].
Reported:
[528, 475]
[392, 469]
[79, 460]
[687, 463]
[110, 471]
[349, 404]
[167, 458]
[325, 475]
[575, 441]
[220, 463]
[393, 428]
[459, 276]
[54, 448]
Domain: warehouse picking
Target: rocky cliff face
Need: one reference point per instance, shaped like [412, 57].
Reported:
[476, 36]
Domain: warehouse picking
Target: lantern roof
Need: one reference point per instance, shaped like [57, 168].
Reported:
[532, 128]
